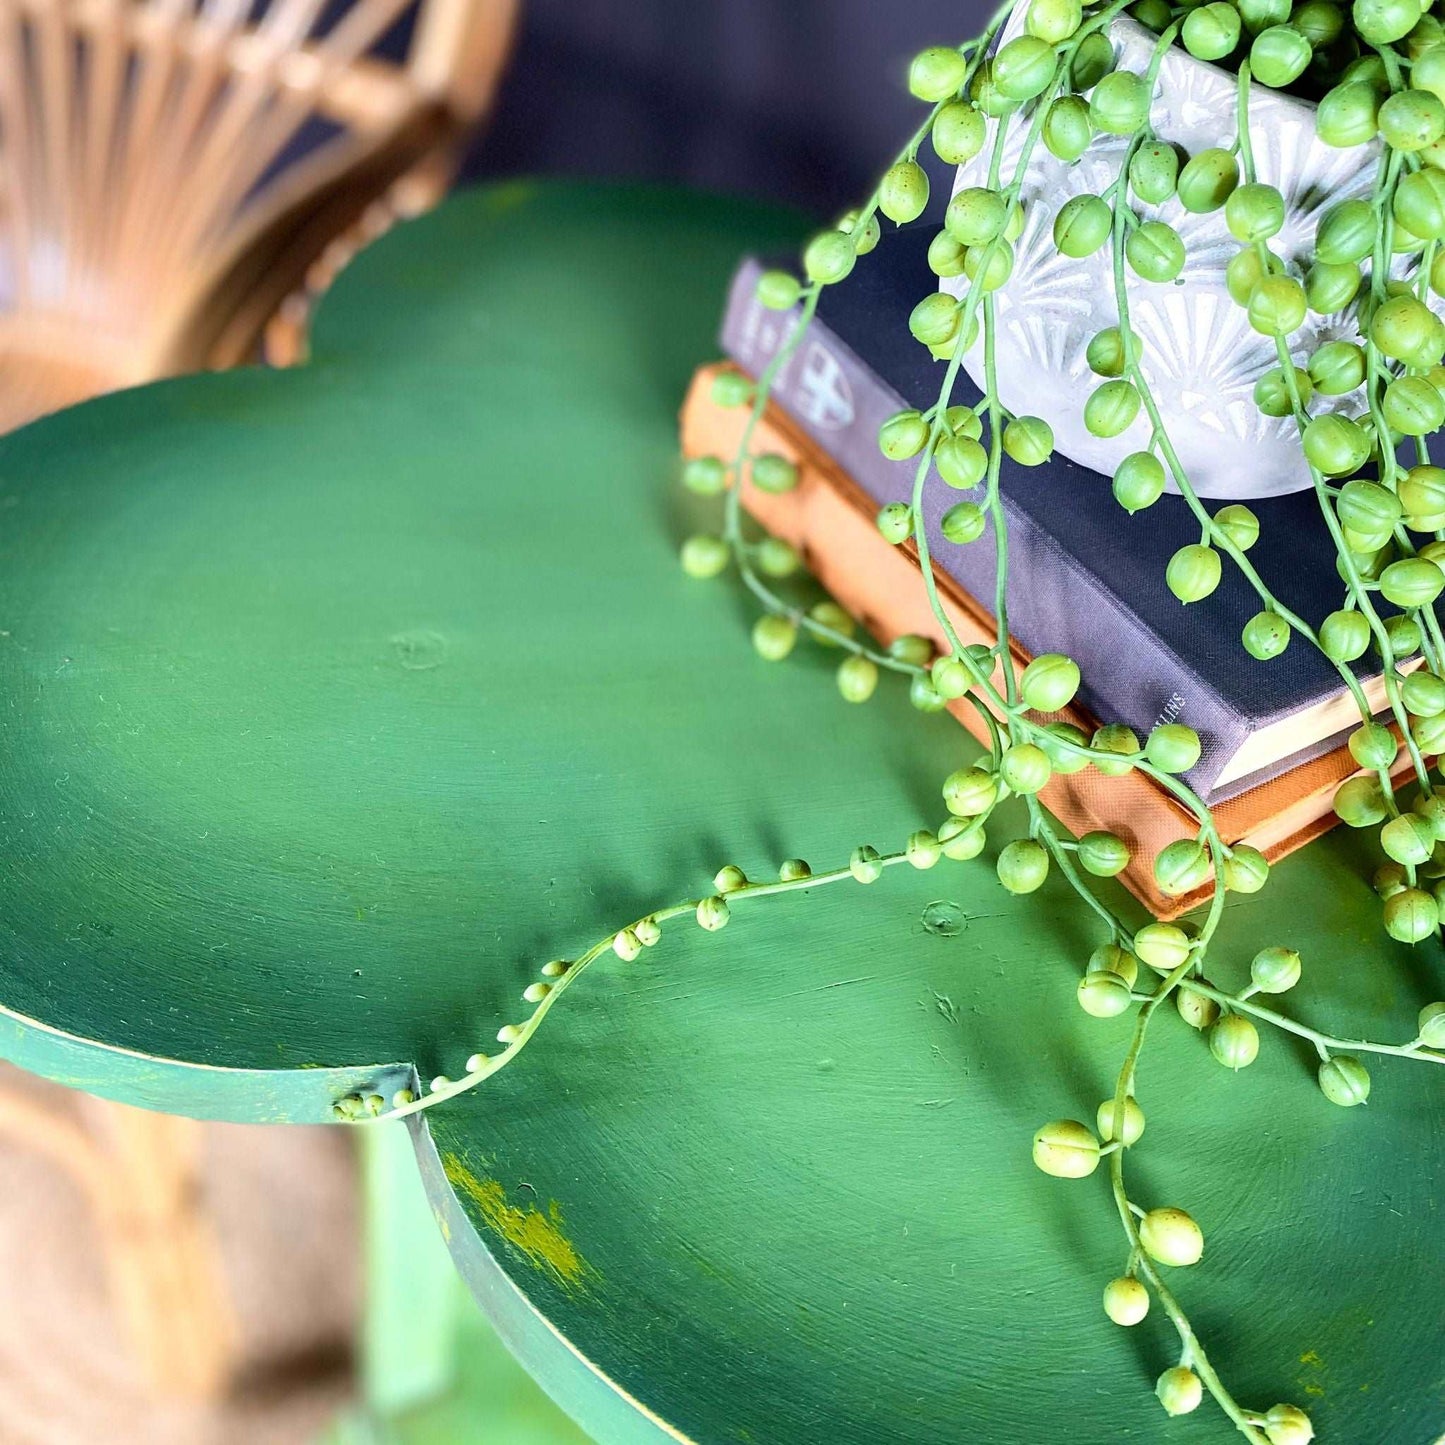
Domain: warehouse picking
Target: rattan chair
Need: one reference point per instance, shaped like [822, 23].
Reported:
[176, 176]
[170, 169]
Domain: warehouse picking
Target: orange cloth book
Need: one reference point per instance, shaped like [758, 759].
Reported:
[830, 521]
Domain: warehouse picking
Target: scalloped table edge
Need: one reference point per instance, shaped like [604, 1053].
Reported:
[581, 1388]
[298, 1094]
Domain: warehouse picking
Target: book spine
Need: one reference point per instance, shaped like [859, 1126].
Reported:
[1054, 604]
[829, 519]
[826, 517]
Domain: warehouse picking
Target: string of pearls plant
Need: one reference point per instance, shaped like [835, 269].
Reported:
[1377, 71]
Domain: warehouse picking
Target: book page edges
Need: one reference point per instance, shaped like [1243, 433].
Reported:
[830, 521]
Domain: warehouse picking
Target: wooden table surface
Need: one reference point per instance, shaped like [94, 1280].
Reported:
[335, 702]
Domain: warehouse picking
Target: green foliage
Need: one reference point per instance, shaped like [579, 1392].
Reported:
[1378, 72]
[1057, 78]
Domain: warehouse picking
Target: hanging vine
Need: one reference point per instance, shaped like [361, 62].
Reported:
[1379, 71]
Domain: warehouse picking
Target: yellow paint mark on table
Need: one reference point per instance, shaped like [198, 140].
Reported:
[536, 1236]
[1312, 1361]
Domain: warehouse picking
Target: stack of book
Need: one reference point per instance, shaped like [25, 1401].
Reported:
[1084, 577]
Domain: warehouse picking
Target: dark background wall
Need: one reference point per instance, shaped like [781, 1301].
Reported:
[798, 100]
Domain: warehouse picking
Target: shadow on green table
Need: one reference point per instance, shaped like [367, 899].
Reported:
[434, 1371]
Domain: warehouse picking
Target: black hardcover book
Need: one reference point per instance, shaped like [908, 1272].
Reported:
[1085, 578]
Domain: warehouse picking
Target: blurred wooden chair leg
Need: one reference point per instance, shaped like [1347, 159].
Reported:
[164, 1256]
[141, 1173]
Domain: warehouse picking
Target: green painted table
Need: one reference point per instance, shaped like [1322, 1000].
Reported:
[336, 701]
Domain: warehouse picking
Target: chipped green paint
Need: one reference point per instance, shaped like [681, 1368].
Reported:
[536, 1236]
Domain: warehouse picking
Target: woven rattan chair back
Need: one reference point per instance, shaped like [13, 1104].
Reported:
[169, 169]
